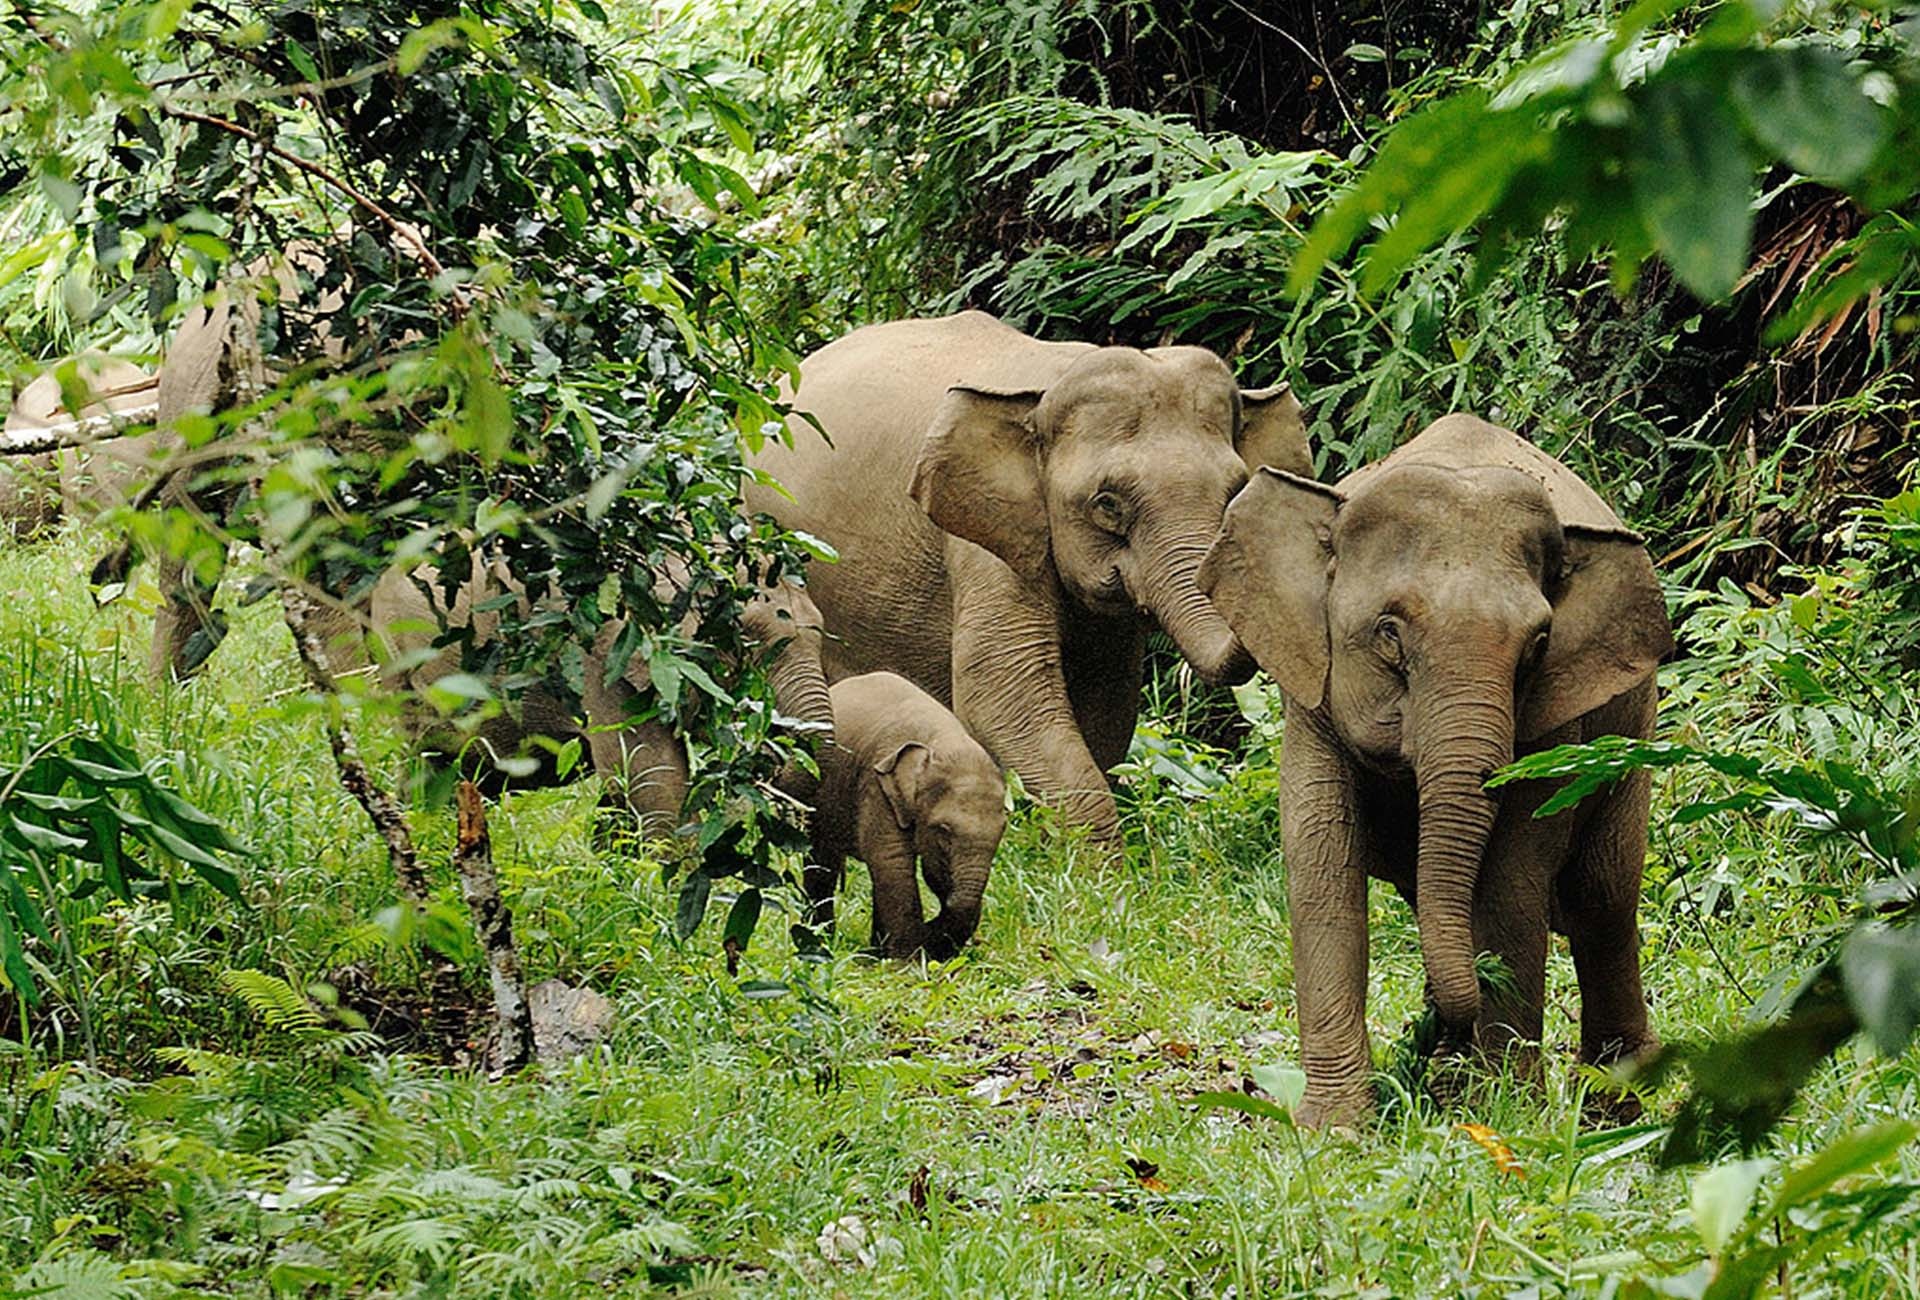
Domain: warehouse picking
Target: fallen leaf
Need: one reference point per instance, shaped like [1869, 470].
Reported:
[1503, 1158]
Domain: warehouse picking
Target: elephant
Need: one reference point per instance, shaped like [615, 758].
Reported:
[1010, 515]
[902, 781]
[1427, 618]
[643, 765]
[36, 490]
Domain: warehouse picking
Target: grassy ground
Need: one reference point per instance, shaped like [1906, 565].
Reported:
[1017, 1122]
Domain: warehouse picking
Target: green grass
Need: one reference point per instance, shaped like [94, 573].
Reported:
[1015, 1123]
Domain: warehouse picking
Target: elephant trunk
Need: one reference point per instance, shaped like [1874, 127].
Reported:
[1468, 731]
[959, 914]
[1172, 594]
[800, 691]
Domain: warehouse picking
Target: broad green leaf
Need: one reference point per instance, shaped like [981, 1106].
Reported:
[1692, 181]
[692, 904]
[1803, 104]
[1422, 151]
[742, 917]
[1721, 1197]
[1881, 967]
[1284, 1083]
[1241, 1102]
[1850, 1153]
[45, 837]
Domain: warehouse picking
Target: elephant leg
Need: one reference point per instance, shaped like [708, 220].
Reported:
[820, 878]
[186, 628]
[1327, 863]
[1512, 906]
[1599, 898]
[1104, 661]
[1010, 690]
[899, 928]
[1599, 901]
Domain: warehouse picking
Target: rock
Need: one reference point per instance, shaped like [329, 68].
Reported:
[567, 1021]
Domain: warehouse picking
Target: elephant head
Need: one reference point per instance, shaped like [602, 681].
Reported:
[1112, 478]
[1464, 596]
[951, 799]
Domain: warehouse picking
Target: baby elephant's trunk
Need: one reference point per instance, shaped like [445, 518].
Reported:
[959, 915]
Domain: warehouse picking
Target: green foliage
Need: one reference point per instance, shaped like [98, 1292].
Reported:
[80, 815]
[492, 337]
[1687, 125]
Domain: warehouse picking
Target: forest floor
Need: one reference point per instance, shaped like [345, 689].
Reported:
[1017, 1122]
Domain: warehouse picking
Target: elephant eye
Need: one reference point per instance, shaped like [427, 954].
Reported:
[1386, 635]
[1536, 650]
[1108, 512]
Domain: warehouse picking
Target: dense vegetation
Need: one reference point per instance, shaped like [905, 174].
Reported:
[577, 246]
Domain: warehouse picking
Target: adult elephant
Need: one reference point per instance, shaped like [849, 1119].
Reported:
[1010, 517]
[642, 763]
[108, 391]
[1428, 617]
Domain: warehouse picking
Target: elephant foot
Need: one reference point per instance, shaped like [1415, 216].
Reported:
[1611, 1101]
[1323, 1109]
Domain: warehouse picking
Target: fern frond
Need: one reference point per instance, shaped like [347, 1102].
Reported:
[279, 1005]
[76, 1275]
[200, 1062]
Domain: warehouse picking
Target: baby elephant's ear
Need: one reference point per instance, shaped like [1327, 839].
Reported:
[978, 476]
[1610, 629]
[902, 773]
[1267, 575]
[1273, 431]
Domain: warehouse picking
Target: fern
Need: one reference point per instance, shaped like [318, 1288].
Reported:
[77, 1275]
[212, 1066]
[277, 1003]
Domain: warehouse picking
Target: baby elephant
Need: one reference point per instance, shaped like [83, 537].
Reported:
[904, 780]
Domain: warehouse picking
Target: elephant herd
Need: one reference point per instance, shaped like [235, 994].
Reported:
[1013, 516]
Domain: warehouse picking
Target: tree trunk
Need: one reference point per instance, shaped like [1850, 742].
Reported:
[511, 1043]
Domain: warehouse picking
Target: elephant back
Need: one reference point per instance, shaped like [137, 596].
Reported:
[1466, 441]
[932, 355]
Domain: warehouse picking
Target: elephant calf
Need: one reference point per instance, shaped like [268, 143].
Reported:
[1464, 600]
[904, 780]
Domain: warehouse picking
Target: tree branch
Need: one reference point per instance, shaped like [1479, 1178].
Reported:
[393, 223]
[493, 924]
[382, 809]
[83, 432]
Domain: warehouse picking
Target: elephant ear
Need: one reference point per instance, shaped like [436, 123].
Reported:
[1267, 575]
[1273, 431]
[1610, 629]
[901, 775]
[978, 476]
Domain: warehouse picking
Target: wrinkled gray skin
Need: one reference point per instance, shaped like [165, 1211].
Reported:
[1012, 516]
[904, 782]
[35, 491]
[1428, 618]
[643, 765]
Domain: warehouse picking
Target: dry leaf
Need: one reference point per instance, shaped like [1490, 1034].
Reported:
[1503, 1158]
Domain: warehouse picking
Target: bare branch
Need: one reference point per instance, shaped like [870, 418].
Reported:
[83, 432]
[382, 809]
[512, 1048]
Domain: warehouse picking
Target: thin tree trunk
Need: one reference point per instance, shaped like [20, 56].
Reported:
[493, 923]
[382, 809]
